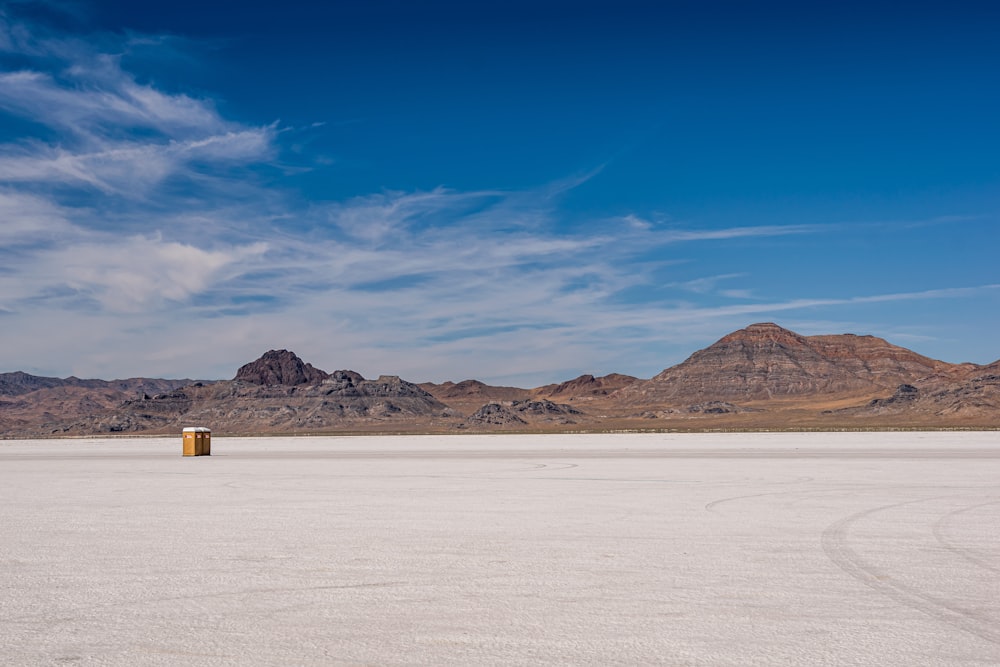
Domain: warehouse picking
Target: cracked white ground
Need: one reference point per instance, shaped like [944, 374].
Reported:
[727, 549]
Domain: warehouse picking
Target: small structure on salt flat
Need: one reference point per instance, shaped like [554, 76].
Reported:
[197, 441]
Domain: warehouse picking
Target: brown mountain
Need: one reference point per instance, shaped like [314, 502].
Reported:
[585, 386]
[473, 389]
[27, 401]
[21, 414]
[468, 396]
[765, 362]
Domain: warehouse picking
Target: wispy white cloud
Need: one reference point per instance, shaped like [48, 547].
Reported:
[741, 311]
[113, 134]
[708, 284]
[138, 274]
[28, 219]
[94, 99]
[129, 247]
[130, 168]
[669, 234]
[737, 293]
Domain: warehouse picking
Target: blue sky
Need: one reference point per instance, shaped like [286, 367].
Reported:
[519, 192]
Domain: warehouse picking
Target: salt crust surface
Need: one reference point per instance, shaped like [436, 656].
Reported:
[726, 549]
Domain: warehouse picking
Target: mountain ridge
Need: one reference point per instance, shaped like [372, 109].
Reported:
[762, 376]
[17, 383]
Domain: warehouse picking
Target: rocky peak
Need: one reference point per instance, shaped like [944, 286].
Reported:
[345, 376]
[280, 367]
[763, 334]
[392, 385]
[19, 382]
[468, 388]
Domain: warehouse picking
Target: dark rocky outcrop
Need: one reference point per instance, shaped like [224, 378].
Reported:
[708, 408]
[493, 414]
[905, 395]
[715, 408]
[338, 399]
[543, 407]
[531, 411]
[279, 367]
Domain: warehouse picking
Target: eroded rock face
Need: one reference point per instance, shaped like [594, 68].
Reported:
[493, 414]
[513, 413]
[904, 395]
[543, 407]
[276, 393]
[280, 367]
[715, 408]
[974, 397]
[709, 408]
[393, 386]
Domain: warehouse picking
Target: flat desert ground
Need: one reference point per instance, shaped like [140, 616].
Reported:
[655, 549]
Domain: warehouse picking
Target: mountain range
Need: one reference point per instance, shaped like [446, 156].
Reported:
[760, 377]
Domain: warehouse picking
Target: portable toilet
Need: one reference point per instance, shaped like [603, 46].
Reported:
[197, 441]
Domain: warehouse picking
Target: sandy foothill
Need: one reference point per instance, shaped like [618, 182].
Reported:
[658, 549]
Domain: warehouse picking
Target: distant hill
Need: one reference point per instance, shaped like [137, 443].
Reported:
[763, 376]
[29, 401]
[765, 362]
[473, 389]
[585, 386]
[19, 383]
